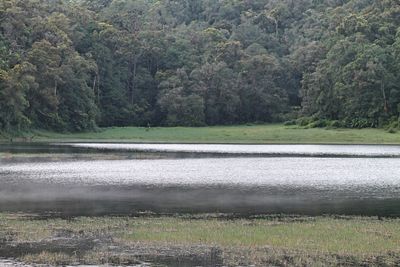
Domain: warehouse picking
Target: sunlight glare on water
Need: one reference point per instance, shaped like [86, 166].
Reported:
[340, 150]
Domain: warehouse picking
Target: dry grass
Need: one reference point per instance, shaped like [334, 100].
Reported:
[55, 259]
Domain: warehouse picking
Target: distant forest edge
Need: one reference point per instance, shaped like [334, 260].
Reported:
[78, 64]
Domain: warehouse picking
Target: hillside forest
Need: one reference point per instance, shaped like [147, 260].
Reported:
[75, 65]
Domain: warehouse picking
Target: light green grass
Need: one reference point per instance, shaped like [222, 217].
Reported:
[326, 235]
[273, 133]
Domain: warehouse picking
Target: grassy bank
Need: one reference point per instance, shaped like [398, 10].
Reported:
[273, 240]
[273, 133]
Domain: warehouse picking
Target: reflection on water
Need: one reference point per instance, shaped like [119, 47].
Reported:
[250, 185]
[319, 173]
[290, 150]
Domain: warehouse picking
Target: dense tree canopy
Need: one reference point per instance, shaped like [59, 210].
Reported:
[70, 65]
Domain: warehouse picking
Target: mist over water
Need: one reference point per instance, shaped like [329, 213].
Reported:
[242, 185]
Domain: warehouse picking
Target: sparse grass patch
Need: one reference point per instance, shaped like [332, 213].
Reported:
[288, 241]
[55, 259]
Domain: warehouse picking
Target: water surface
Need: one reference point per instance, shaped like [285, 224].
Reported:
[271, 150]
[244, 185]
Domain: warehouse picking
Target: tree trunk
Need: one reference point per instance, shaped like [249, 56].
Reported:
[133, 76]
[276, 28]
[94, 84]
[385, 102]
[98, 89]
[55, 88]
[133, 80]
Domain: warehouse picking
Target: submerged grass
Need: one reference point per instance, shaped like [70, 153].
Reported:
[307, 240]
[272, 133]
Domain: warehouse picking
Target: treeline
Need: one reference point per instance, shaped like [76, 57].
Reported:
[74, 65]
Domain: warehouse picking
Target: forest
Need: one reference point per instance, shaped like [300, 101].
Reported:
[75, 65]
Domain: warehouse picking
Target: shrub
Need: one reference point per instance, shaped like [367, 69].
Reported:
[304, 121]
[319, 124]
[336, 124]
[289, 123]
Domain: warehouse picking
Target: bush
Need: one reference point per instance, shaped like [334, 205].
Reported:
[336, 124]
[304, 121]
[289, 123]
[311, 122]
[319, 124]
[393, 125]
[361, 123]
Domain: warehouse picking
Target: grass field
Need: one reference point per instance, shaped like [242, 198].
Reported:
[278, 240]
[273, 133]
[324, 235]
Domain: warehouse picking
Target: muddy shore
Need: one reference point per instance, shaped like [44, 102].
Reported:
[172, 241]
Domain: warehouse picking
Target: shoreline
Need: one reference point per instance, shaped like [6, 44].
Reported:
[242, 134]
[202, 240]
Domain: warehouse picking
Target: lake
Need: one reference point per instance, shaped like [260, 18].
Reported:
[126, 179]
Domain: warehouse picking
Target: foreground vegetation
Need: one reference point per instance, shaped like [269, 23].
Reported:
[273, 133]
[275, 240]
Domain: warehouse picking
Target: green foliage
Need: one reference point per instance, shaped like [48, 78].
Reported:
[319, 124]
[73, 65]
[357, 82]
[393, 125]
[304, 121]
[336, 124]
[289, 123]
[13, 86]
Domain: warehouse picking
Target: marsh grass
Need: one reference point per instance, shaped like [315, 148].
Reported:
[323, 235]
[271, 133]
[353, 235]
[52, 258]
